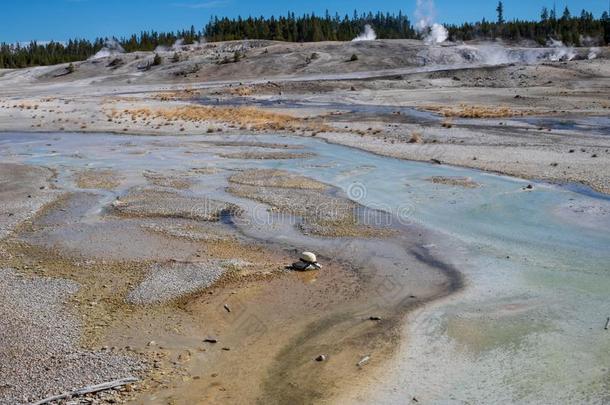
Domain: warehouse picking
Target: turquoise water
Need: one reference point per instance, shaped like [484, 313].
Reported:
[529, 325]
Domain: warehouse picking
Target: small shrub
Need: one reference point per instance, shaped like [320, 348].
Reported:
[157, 60]
[353, 58]
[71, 68]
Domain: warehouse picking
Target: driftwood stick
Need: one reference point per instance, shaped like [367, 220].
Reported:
[607, 323]
[88, 390]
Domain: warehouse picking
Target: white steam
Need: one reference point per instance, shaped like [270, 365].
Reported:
[496, 53]
[560, 51]
[367, 35]
[433, 32]
[593, 52]
[179, 45]
[486, 54]
[589, 41]
[438, 33]
[111, 47]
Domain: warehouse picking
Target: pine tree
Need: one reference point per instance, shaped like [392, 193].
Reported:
[500, 11]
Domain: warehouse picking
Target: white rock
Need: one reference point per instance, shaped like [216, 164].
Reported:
[308, 257]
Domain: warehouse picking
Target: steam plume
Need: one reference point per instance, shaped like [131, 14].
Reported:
[433, 32]
[367, 35]
[177, 46]
[560, 51]
[593, 52]
[111, 47]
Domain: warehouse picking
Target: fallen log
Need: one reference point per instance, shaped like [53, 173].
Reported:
[88, 390]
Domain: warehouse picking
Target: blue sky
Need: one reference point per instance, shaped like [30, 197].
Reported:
[24, 20]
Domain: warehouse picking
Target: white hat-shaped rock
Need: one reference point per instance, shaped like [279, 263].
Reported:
[308, 257]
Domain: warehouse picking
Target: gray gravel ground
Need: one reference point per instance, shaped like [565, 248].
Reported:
[305, 203]
[171, 280]
[465, 182]
[180, 181]
[208, 232]
[266, 155]
[158, 203]
[250, 144]
[39, 352]
[275, 178]
[23, 191]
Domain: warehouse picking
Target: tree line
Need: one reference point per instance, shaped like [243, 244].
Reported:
[309, 27]
[582, 29]
[38, 54]
[575, 30]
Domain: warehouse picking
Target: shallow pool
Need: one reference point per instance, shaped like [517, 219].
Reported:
[529, 326]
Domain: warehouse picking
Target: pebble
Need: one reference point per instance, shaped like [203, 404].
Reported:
[363, 361]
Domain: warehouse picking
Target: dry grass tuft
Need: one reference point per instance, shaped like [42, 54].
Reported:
[242, 91]
[474, 111]
[251, 117]
[184, 94]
